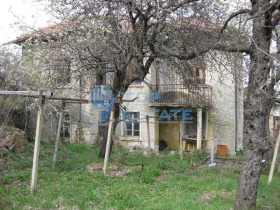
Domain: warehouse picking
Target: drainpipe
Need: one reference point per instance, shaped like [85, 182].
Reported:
[199, 128]
[235, 106]
[80, 109]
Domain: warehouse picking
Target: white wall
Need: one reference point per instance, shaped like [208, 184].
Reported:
[220, 76]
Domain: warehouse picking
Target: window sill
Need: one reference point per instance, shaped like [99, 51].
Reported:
[136, 86]
[131, 138]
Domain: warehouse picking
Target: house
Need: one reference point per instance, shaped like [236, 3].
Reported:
[208, 105]
[172, 110]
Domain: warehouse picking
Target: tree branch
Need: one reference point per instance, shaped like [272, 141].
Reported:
[230, 48]
[218, 47]
[182, 56]
[233, 15]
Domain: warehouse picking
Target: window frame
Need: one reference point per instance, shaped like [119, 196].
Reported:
[134, 122]
[62, 71]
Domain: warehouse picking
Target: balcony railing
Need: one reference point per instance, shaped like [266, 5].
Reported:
[181, 95]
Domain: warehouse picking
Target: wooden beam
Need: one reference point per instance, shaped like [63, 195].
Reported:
[46, 94]
[199, 128]
[71, 100]
[108, 145]
[37, 142]
[181, 133]
[58, 133]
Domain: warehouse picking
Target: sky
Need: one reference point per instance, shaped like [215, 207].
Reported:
[16, 13]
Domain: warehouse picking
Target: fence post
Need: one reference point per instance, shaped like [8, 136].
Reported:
[37, 142]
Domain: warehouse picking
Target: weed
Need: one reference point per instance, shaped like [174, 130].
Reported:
[239, 153]
[166, 182]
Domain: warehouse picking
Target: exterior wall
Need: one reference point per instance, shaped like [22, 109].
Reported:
[141, 104]
[225, 119]
[223, 122]
[227, 111]
[83, 118]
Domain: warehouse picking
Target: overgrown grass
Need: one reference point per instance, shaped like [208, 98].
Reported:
[166, 182]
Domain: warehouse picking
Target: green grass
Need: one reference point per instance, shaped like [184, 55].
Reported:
[165, 183]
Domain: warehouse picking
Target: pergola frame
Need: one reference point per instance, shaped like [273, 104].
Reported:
[42, 95]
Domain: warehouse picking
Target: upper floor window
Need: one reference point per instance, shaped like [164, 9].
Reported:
[62, 72]
[199, 73]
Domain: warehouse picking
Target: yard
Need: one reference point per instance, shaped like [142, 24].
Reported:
[165, 182]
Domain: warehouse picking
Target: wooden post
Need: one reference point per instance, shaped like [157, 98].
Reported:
[207, 125]
[58, 133]
[181, 133]
[27, 93]
[199, 128]
[37, 141]
[212, 149]
[148, 131]
[274, 159]
[108, 145]
[181, 147]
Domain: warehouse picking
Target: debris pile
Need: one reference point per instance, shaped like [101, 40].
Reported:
[13, 139]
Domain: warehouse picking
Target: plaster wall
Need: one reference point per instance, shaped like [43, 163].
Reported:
[227, 110]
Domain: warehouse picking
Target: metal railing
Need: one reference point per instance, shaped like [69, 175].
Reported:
[192, 95]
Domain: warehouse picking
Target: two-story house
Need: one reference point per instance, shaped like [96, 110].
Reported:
[172, 109]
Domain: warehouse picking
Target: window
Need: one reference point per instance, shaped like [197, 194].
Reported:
[62, 72]
[132, 125]
[199, 73]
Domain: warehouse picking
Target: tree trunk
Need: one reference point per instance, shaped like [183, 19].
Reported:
[257, 109]
[103, 133]
[255, 144]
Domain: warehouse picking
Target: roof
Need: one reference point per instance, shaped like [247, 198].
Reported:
[201, 23]
[46, 31]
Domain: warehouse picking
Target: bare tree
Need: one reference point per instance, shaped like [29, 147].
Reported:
[261, 20]
[259, 101]
[117, 38]
[127, 36]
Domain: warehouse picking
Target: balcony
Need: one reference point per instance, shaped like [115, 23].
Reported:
[192, 95]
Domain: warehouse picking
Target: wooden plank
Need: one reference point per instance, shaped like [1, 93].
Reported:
[108, 145]
[71, 100]
[37, 142]
[26, 93]
[46, 94]
[199, 128]
[181, 133]
[212, 149]
[58, 134]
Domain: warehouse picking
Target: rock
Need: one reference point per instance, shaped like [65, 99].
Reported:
[9, 141]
